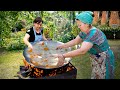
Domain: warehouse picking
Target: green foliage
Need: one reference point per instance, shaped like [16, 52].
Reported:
[67, 37]
[7, 21]
[64, 37]
[27, 17]
[75, 30]
[108, 28]
[49, 30]
[110, 31]
[15, 42]
[19, 25]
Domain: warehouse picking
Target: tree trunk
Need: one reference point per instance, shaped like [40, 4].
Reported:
[73, 14]
[41, 13]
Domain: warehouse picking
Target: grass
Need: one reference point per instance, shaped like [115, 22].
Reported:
[83, 66]
[9, 64]
[10, 61]
[115, 46]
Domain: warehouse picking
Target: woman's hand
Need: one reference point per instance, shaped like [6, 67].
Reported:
[30, 46]
[59, 47]
[60, 59]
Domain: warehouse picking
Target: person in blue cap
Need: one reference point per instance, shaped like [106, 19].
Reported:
[93, 41]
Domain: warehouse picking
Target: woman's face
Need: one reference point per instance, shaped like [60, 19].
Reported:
[38, 25]
[81, 25]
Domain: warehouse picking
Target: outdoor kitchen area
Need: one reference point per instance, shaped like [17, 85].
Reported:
[43, 66]
[66, 72]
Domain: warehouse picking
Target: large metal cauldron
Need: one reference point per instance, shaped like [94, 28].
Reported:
[41, 54]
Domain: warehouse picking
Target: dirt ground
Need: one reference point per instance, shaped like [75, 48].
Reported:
[2, 50]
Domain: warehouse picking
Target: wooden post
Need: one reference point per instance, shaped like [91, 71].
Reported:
[96, 17]
[114, 18]
[104, 18]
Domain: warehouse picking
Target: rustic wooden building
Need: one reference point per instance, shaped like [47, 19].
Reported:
[114, 18]
[96, 17]
[109, 18]
[104, 17]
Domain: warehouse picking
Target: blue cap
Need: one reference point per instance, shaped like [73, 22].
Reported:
[85, 17]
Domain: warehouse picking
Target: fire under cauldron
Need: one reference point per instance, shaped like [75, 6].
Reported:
[43, 66]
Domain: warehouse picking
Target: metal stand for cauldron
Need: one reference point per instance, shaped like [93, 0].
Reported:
[72, 74]
[64, 75]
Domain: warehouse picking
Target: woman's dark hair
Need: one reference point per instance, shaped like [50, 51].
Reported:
[38, 20]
